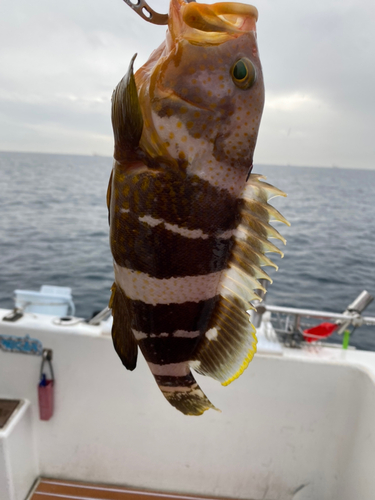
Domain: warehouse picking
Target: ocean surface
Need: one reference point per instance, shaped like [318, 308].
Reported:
[54, 230]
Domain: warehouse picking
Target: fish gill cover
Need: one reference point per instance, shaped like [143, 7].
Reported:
[189, 223]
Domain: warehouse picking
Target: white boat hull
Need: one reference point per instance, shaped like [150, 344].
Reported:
[299, 425]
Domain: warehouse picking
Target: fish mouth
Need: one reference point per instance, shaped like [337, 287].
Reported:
[229, 17]
[191, 103]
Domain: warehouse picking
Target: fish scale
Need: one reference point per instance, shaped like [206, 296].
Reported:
[189, 226]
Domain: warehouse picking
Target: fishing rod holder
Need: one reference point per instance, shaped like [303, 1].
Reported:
[100, 316]
[354, 310]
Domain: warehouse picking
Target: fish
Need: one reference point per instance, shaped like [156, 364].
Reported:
[189, 221]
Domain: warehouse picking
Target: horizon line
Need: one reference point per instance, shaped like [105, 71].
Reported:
[98, 155]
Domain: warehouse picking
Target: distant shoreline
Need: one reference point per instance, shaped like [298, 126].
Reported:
[260, 165]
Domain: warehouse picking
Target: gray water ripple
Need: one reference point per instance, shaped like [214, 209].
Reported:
[54, 230]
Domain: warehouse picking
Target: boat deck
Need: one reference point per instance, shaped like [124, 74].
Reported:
[53, 489]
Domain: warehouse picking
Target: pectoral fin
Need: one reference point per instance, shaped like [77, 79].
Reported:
[122, 335]
[109, 194]
[127, 119]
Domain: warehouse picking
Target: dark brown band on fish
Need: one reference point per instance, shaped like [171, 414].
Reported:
[168, 318]
[169, 381]
[166, 350]
[176, 198]
[173, 255]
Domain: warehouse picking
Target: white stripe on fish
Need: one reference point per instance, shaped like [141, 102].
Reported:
[170, 370]
[141, 286]
[183, 231]
[178, 333]
[174, 228]
[219, 175]
[201, 162]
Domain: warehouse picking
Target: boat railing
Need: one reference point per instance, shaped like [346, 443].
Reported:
[293, 325]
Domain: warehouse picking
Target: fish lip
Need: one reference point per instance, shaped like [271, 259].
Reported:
[190, 102]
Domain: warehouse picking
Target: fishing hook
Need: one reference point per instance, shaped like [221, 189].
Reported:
[142, 8]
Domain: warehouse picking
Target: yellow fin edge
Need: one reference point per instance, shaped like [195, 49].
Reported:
[245, 363]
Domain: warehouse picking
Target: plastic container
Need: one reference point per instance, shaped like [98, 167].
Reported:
[52, 300]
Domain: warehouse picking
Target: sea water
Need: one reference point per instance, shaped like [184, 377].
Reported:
[54, 230]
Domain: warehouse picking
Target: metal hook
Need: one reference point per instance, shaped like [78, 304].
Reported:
[47, 356]
[146, 13]
[144, 10]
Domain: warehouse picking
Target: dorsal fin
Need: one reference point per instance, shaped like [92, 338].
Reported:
[229, 343]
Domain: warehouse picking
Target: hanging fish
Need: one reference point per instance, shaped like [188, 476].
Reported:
[189, 225]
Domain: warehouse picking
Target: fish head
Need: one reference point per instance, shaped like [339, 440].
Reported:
[202, 91]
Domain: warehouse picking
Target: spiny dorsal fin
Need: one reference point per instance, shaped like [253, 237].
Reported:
[127, 119]
[122, 335]
[229, 343]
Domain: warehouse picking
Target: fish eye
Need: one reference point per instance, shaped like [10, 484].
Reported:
[243, 73]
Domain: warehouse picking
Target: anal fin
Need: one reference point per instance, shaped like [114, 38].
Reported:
[229, 344]
[122, 335]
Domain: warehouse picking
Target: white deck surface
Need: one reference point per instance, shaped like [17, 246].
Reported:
[297, 425]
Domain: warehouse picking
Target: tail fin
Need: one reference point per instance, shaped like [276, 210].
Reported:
[184, 393]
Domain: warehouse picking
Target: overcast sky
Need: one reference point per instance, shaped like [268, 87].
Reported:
[61, 60]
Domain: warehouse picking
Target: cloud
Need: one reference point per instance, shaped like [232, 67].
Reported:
[291, 102]
[63, 59]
